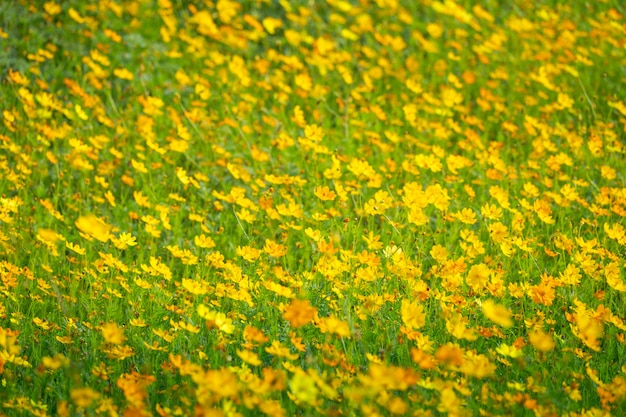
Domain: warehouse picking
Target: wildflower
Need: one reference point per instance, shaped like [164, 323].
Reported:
[373, 241]
[248, 253]
[249, 357]
[413, 315]
[423, 359]
[277, 349]
[571, 275]
[334, 325]
[544, 212]
[541, 341]
[271, 24]
[498, 232]
[138, 322]
[542, 293]
[303, 387]
[497, 313]
[56, 362]
[124, 240]
[299, 313]
[123, 73]
[216, 319]
[112, 333]
[274, 249]
[467, 216]
[298, 117]
[75, 248]
[612, 275]
[93, 227]
[134, 385]
[588, 329]
[379, 204]
[478, 276]
[195, 287]
[203, 241]
[510, 351]
[324, 193]
[450, 354]
[83, 397]
[477, 366]
[449, 402]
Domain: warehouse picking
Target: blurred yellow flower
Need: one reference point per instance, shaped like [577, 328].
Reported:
[303, 387]
[112, 333]
[93, 227]
[497, 313]
[541, 341]
[83, 397]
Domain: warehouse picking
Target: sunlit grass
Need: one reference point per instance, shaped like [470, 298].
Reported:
[300, 208]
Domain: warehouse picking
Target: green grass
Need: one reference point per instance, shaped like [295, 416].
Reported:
[292, 208]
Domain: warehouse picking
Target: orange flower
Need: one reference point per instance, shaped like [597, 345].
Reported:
[450, 354]
[542, 293]
[299, 313]
[252, 334]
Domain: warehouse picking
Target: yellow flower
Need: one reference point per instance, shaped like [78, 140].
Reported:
[497, 313]
[449, 403]
[49, 235]
[324, 193]
[271, 24]
[413, 315]
[55, 362]
[123, 73]
[75, 248]
[83, 397]
[125, 240]
[477, 365]
[219, 320]
[478, 276]
[510, 351]
[450, 354]
[195, 287]
[303, 387]
[249, 357]
[334, 325]
[274, 249]
[467, 216]
[277, 349]
[93, 227]
[541, 341]
[298, 117]
[138, 322]
[248, 253]
[44, 324]
[589, 330]
[439, 253]
[113, 334]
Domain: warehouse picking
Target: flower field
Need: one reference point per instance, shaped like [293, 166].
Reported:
[339, 207]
